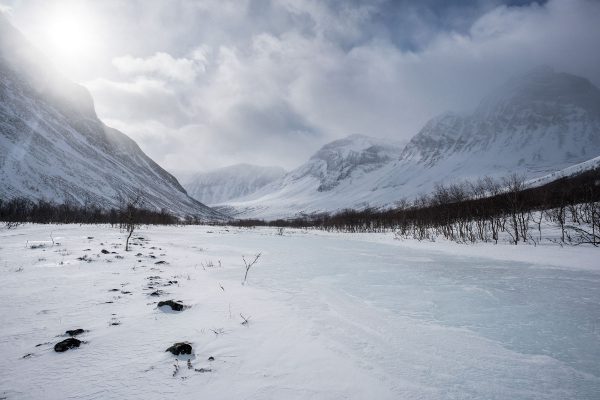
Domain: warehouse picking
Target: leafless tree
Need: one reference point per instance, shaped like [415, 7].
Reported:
[249, 265]
[514, 185]
[130, 215]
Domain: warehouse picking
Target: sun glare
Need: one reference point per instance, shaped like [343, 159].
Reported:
[70, 33]
[67, 35]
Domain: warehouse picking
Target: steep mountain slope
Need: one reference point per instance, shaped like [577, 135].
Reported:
[229, 183]
[54, 147]
[573, 170]
[536, 124]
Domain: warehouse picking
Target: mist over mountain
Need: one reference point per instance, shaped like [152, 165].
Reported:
[231, 182]
[537, 123]
[53, 147]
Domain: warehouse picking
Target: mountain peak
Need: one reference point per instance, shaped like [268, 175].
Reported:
[342, 158]
[544, 86]
[355, 144]
[540, 118]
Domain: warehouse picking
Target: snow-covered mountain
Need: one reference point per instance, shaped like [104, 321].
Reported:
[573, 170]
[347, 159]
[538, 123]
[54, 147]
[230, 183]
[332, 178]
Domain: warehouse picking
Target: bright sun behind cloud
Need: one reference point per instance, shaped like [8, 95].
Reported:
[69, 31]
[67, 34]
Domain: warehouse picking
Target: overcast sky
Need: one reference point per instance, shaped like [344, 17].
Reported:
[201, 84]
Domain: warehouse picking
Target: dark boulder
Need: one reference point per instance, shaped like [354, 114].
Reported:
[175, 306]
[66, 345]
[180, 348]
[74, 332]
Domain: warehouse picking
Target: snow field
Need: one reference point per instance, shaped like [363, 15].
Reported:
[332, 316]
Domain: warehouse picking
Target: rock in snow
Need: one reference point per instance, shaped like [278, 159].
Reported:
[66, 344]
[74, 332]
[175, 306]
[180, 348]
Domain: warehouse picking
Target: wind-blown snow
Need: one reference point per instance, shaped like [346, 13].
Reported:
[332, 316]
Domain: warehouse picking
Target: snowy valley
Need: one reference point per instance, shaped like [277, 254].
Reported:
[409, 257]
[357, 316]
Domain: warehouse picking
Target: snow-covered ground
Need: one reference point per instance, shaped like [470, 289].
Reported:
[332, 316]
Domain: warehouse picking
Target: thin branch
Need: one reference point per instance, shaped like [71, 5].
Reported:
[249, 265]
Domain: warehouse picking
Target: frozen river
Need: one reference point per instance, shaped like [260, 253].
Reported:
[547, 318]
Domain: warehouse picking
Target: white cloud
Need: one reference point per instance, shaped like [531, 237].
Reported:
[138, 101]
[161, 64]
[246, 90]
[4, 9]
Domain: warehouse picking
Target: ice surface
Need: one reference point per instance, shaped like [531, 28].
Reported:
[331, 316]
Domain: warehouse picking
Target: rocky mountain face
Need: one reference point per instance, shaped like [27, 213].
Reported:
[538, 123]
[54, 147]
[347, 158]
[230, 183]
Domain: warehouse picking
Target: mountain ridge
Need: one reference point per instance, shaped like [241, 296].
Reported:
[53, 147]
